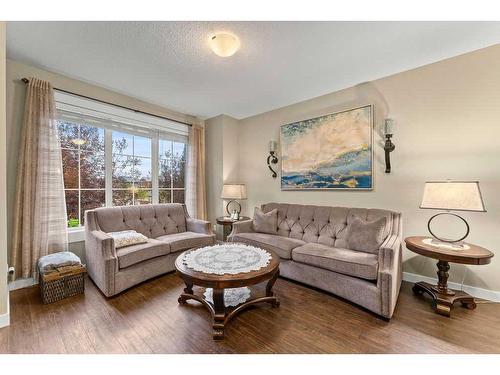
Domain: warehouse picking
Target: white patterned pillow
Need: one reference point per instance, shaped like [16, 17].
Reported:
[127, 238]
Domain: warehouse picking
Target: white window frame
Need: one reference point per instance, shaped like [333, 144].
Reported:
[109, 118]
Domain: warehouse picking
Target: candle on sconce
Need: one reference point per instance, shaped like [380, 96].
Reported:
[389, 126]
[273, 146]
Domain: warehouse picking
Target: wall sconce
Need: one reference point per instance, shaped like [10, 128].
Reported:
[389, 146]
[272, 158]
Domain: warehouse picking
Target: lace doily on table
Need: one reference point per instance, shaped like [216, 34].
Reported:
[227, 259]
[232, 297]
[445, 245]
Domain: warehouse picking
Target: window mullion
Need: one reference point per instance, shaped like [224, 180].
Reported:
[155, 167]
[79, 181]
[108, 156]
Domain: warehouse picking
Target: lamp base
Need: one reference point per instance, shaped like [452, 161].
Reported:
[455, 246]
[238, 211]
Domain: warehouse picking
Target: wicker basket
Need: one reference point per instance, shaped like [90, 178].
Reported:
[66, 282]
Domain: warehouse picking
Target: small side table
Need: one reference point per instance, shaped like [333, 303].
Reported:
[443, 297]
[227, 224]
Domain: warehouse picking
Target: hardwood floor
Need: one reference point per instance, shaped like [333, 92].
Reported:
[148, 319]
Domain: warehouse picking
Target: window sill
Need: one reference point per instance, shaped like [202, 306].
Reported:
[76, 235]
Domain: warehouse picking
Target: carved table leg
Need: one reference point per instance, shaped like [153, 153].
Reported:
[188, 290]
[442, 286]
[219, 314]
[443, 297]
[269, 287]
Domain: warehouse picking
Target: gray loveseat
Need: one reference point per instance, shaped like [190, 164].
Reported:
[169, 229]
[311, 242]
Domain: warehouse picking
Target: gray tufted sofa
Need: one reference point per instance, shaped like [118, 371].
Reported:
[169, 229]
[311, 242]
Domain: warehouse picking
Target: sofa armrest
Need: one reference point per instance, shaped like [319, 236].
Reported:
[244, 226]
[198, 226]
[104, 244]
[389, 252]
[101, 260]
[390, 273]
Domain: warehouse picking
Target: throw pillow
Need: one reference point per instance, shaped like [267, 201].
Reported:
[127, 238]
[265, 222]
[366, 236]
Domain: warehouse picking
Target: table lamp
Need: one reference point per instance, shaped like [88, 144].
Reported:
[451, 196]
[233, 193]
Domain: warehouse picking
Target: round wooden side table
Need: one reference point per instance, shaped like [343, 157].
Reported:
[443, 297]
[227, 224]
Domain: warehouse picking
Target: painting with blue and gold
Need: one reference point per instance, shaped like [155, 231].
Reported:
[329, 152]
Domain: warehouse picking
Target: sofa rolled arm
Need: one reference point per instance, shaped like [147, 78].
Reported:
[198, 226]
[244, 226]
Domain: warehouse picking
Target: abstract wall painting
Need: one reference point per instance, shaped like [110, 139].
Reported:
[332, 152]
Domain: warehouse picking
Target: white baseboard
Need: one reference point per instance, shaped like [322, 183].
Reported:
[490, 295]
[5, 318]
[21, 283]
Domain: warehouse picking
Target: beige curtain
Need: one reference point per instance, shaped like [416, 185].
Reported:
[40, 208]
[195, 172]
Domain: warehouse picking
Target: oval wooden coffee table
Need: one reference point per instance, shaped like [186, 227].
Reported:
[221, 314]
[445, 298]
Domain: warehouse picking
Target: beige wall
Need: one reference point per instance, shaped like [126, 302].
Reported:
[3, 185]
[222, 161]
[15, 105]
[214, 165]
[447, 126]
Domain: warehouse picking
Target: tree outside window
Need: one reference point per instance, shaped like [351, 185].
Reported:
[82, 149]
[171, 182]
[131, 169]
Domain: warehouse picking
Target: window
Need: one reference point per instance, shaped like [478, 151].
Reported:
[115, 157]
[132, 182]
[172, 157]
[82, 149]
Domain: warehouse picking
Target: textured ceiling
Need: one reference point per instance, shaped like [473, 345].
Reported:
[279, 63]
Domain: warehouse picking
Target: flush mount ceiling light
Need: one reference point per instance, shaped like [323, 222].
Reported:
[224, 44]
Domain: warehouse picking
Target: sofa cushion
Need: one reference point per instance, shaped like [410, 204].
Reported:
[186, 240]
[130, 255]
[280, 245]
[265, 222]
[127, 238]
[366, 236]
[348, 262]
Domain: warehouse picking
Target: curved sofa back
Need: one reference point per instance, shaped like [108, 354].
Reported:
[324, 224]
[152, 220]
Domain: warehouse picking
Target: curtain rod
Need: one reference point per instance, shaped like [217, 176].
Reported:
[26, 80]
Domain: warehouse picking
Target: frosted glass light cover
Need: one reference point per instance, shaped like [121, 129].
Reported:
[224, 45]
[389, 126]
[453, 195]
[234, 191]
[273, 146]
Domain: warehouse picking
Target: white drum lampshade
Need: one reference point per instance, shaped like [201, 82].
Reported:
[453, 196]
[233, 193]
